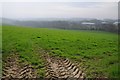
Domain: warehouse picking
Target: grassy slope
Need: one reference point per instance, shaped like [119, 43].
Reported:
[98, 50]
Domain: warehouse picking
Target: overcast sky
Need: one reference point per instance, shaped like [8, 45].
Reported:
[59, 0]
[28, 10]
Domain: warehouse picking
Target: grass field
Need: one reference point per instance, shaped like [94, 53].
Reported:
[0, 50]
[96, 51]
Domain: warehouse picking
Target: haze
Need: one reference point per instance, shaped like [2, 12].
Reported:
[30, 10]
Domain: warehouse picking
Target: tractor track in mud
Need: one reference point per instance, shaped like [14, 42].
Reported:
[58, 68]
[14, 69]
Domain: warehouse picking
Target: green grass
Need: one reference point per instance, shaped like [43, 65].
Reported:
[0, 50]
[96, 50]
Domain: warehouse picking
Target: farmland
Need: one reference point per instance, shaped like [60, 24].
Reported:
[96, 52]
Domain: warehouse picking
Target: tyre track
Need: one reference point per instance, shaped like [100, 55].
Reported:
[62, 69]
[13, 69]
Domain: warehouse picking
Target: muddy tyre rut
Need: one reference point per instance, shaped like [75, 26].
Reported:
[58, 68]
[14, 69]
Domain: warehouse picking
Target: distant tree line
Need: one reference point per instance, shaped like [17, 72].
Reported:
[72, 25]
[69, 24]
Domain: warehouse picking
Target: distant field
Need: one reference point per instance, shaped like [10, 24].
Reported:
[96, 51]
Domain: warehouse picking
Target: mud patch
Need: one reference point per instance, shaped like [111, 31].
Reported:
[62, 69]
[12, 68]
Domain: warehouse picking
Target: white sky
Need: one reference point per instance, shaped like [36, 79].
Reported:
[54, 9]
[59, 0]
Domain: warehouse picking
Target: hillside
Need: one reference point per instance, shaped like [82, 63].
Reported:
[94, 52]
